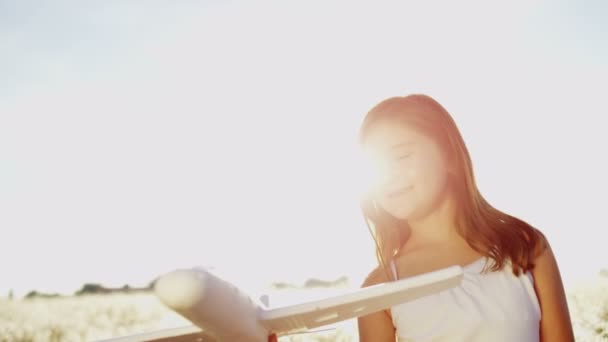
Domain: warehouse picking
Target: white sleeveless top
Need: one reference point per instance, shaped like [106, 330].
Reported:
[494, 306]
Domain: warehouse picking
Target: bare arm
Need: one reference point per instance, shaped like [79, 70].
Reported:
[555, 323]
[378, 326]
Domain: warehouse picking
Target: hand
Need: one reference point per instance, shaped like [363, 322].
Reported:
[273, 338]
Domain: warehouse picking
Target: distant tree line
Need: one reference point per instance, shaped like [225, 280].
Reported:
[313, 283]
[96, 288]
[92, 288]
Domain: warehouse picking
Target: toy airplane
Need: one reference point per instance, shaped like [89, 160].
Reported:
[221, 312]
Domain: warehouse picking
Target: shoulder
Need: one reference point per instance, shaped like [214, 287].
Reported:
[377, 276]
[377, 324]
[542, 244]
[556, 324]
[545, 263]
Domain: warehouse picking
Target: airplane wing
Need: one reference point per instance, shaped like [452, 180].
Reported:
[226, 313]
[361, 302]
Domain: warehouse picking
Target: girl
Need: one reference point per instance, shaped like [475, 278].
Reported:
[427, 213]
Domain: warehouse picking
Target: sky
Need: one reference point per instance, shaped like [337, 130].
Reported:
[140, 137]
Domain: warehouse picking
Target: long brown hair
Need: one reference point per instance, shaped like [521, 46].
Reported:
[492, 233]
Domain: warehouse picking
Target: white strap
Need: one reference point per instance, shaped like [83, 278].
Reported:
[394, 269]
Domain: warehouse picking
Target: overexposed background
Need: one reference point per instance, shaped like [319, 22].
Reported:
[139, 137]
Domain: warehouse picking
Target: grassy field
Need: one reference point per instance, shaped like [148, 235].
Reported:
[93, 317]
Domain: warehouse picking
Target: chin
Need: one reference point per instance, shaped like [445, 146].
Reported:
[400, 213]
[402, 216]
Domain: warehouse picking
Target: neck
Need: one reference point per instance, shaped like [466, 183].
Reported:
[437, 226]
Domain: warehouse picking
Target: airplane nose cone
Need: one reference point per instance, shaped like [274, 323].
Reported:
[180, 289]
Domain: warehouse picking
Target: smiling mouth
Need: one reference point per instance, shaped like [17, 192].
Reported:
[400, 192]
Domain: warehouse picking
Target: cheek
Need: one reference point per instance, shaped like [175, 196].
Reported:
[407, 175]
[432, 177]
[428, 176]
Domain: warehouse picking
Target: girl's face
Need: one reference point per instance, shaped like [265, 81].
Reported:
[410, 169]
